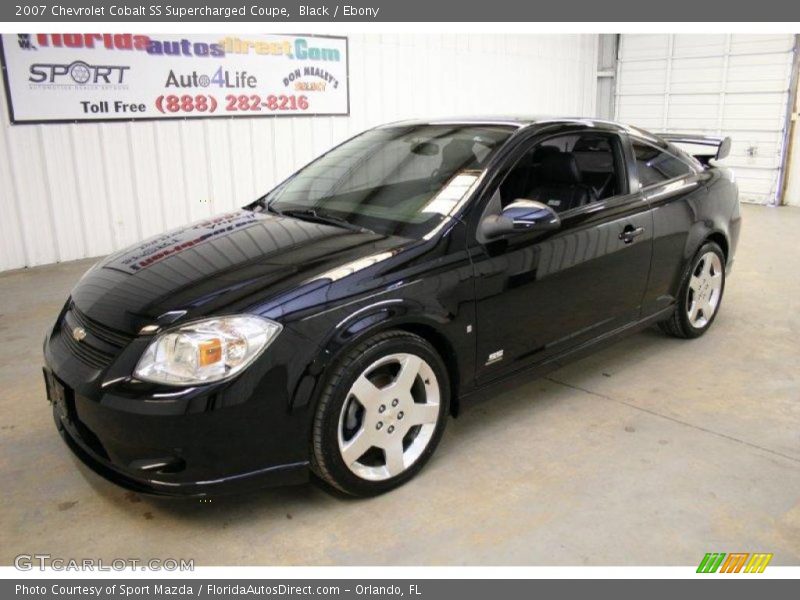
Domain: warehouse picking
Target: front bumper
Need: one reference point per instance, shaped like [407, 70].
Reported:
[277, 475]
[210, 440]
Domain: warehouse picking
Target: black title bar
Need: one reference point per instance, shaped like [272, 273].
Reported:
[297, 11]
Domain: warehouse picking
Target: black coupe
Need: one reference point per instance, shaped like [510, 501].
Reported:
[333, 325]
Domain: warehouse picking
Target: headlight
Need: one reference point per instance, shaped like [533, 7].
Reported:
[206, 351]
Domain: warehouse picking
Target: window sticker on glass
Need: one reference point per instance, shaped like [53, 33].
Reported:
[448, 198]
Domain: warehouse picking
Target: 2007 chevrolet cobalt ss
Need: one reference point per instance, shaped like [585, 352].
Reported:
[333, 325]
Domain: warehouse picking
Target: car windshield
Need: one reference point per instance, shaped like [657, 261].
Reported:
[401, 180]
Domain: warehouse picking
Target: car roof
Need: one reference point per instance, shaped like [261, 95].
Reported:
[518, 121]
[522, 122]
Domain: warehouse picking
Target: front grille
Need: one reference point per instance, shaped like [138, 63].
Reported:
[111, 336]
[101, 344]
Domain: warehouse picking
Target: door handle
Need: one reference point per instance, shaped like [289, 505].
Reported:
[629, 234]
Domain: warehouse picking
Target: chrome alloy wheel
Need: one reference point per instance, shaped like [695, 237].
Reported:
[705, 290]
[389, 416]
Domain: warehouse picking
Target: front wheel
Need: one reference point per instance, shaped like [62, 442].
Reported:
[380, 415]
[700, 294]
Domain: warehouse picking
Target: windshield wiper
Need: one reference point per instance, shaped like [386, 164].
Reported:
[309, 214]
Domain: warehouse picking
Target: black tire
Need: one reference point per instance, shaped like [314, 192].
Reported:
[326, 459]
[679, 325]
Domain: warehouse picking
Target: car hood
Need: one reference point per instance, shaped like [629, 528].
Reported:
[227, 263]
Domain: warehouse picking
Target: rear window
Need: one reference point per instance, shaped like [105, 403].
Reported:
[655, 166]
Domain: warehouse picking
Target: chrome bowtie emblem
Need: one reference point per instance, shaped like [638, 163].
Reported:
[78, 333]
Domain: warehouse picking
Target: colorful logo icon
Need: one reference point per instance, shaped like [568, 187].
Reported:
[735, 562]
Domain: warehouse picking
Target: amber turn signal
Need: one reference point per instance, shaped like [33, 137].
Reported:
[210, 352]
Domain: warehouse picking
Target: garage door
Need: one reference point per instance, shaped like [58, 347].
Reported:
[736, 85]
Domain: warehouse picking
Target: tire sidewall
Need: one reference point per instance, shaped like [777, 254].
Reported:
[345, 479]
[683, 306]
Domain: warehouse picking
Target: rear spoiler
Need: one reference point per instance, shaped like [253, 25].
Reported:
[722, 144]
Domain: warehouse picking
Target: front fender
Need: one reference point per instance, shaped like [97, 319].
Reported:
[380, 316]
[434, 323]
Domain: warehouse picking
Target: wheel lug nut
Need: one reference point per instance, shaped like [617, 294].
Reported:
[379, 425]
[395, 402]
[391, 428]
[400, 415]
[382, 408]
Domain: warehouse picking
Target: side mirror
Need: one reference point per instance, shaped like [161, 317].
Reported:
[520, 216]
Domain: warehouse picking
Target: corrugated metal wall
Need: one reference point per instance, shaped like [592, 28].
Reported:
[73, 191]
[736, 85]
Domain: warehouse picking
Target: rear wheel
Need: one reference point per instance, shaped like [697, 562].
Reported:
[381, 414]
[700, 295]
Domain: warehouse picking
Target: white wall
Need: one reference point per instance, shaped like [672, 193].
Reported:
[74, 191]
[730, 84]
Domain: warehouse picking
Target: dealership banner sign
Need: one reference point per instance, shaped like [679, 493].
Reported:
[74, 77]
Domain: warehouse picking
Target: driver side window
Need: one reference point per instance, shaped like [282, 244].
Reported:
[567, 172]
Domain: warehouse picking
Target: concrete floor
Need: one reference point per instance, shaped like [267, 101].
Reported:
[652, 452]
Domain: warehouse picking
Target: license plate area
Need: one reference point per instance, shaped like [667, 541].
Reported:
[57, 394]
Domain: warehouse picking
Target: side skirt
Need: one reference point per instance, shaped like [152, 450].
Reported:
[527, 374]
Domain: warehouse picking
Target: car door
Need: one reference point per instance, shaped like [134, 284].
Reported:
[539, 296]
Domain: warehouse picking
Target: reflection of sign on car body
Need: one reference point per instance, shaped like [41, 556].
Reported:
[162, 246]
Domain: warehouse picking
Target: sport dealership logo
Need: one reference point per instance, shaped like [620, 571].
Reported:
[735, 562]
[78, 73]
